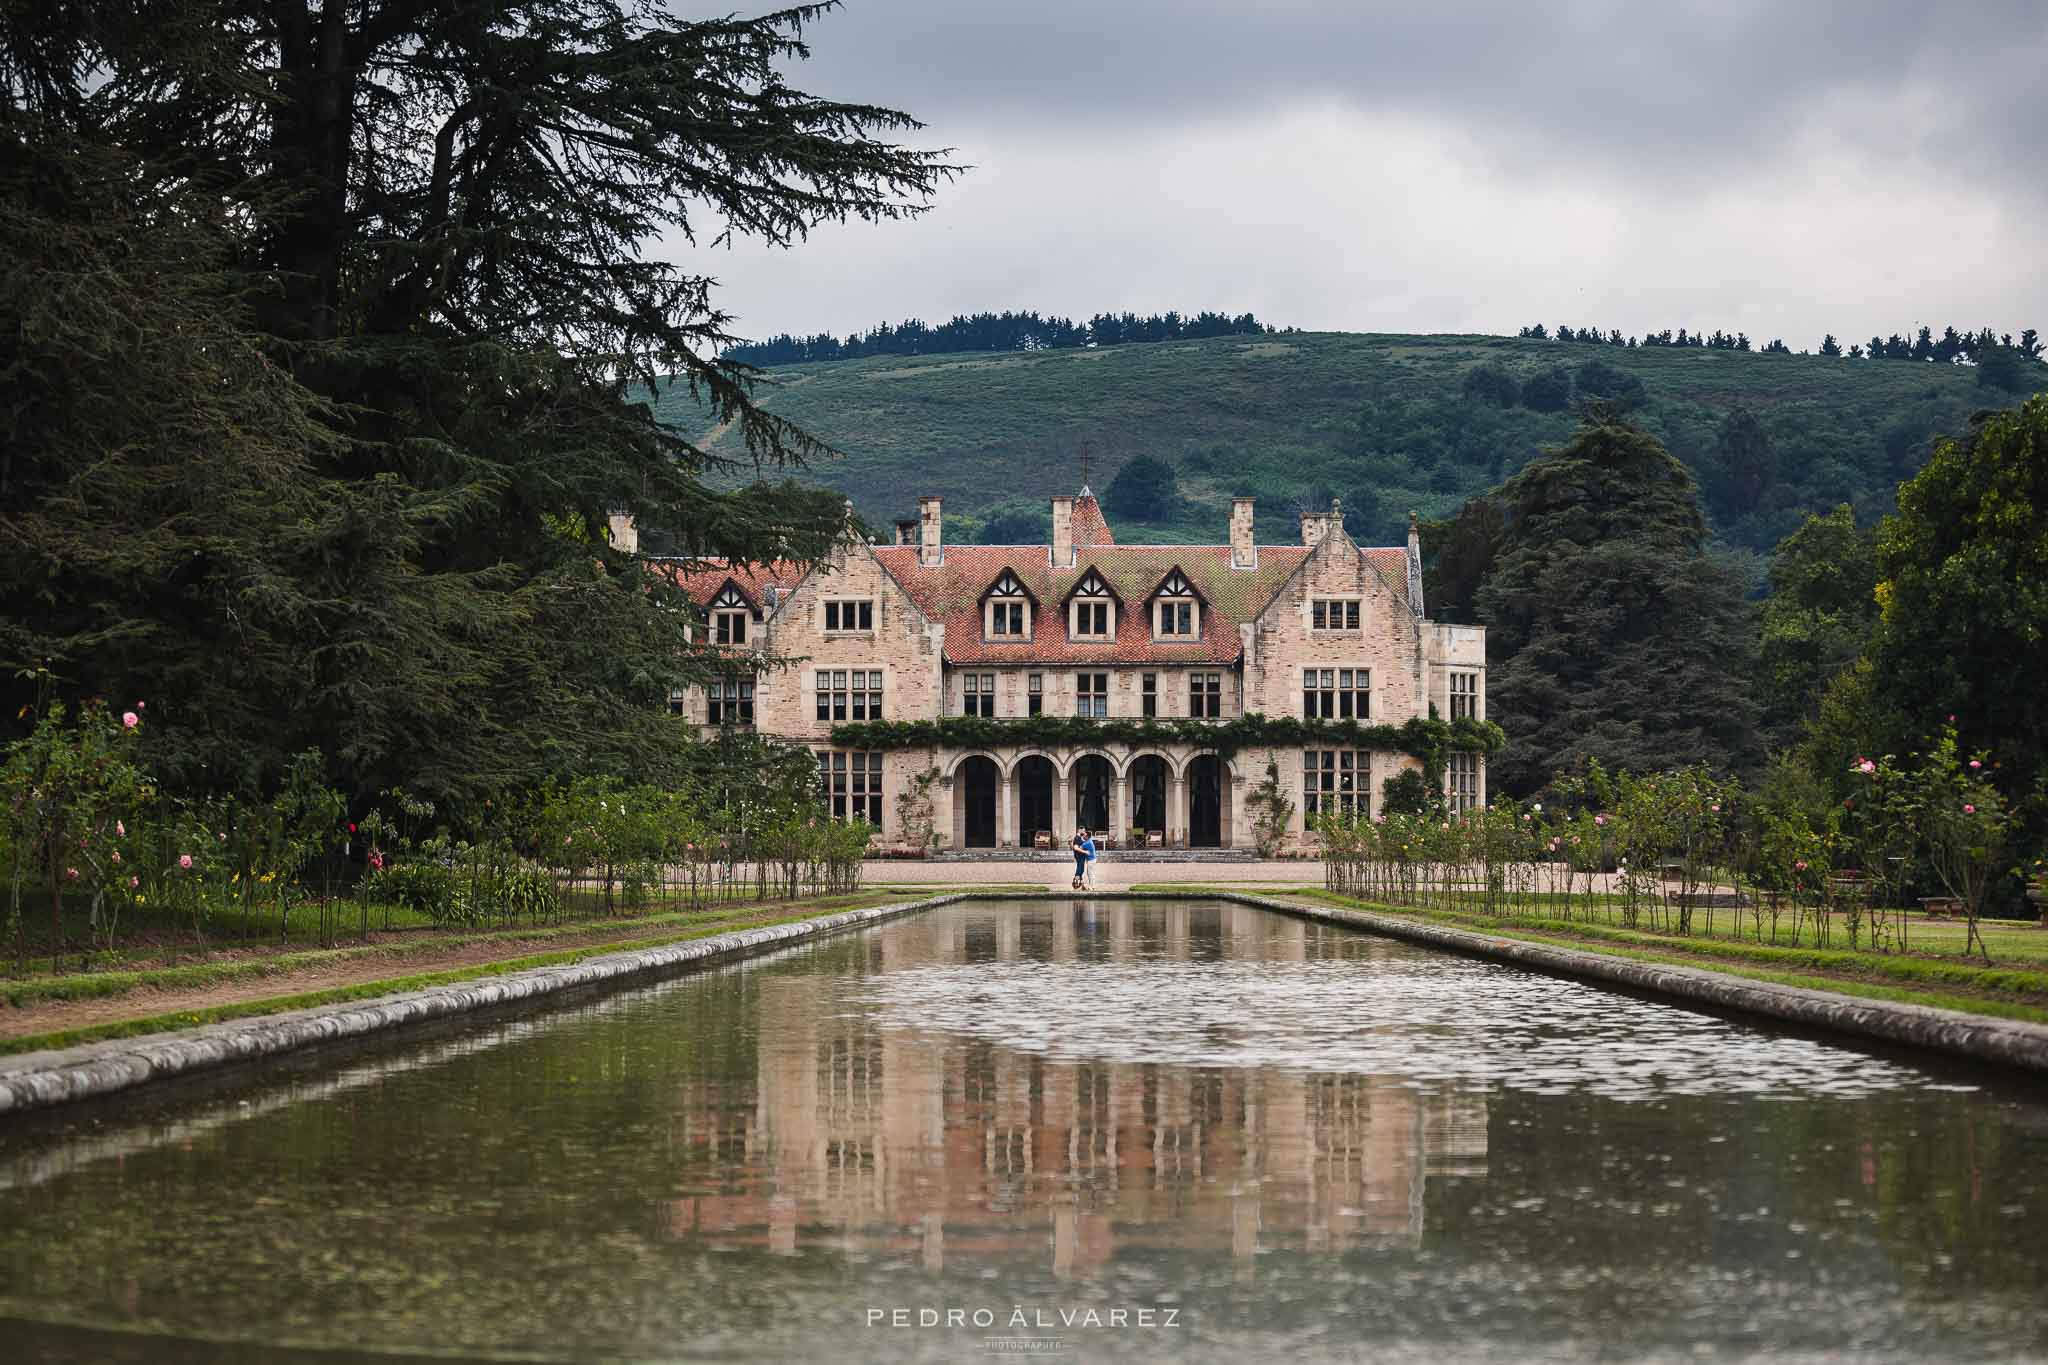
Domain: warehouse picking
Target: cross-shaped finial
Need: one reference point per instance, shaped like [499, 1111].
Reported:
[1084, 465]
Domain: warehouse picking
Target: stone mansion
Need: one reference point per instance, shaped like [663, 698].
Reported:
[923, 630]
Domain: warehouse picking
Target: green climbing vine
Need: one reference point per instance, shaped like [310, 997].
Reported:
[1432, 740]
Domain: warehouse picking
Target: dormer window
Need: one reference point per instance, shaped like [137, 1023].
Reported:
[1176, 609]
[729, 615]
[1091, 609]
[1007, 610]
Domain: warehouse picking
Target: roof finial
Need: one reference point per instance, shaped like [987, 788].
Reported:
[1084, 468]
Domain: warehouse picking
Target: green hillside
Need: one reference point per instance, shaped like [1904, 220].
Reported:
[1384, 421]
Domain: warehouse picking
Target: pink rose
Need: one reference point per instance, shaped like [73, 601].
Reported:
[117, 857]
[70, 874]
[1975, 764]
[1866, 766]
[129, 720]
[185, 860]
[134, 882]
[1599, 819]
[1716, 808]
[1969, 810]
[120, 829]
[1799, 866]
[141, 705]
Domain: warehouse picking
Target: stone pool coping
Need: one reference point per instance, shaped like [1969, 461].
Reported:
[41, 1080]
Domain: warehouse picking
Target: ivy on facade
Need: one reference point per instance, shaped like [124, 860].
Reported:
[1430, 740]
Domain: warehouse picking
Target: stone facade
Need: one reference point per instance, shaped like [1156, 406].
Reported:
[919, 630]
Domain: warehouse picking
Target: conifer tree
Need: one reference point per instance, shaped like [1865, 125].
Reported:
[364, 504]
[1611, 633]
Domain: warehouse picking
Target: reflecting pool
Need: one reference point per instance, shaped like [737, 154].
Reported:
[1102, 1131]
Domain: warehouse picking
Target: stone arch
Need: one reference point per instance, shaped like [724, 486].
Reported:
[1059, 765]
[953, 770]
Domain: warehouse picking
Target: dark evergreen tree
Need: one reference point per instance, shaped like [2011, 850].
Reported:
[1829, 346]
[1612, 634]
[2006, 369]
[1597, 379]
[1493, 384]
[1365, 515]
[1818, 617]
[1458, 555]
[1548, 391]
[422, 233]
[1146, 489]
[1744, 464]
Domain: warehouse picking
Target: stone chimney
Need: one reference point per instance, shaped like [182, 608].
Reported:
[624, 534]
[1063, 533]
[906, 531]
[1244, 548]
[931, 549]
[1316, 527]
[1414, 565]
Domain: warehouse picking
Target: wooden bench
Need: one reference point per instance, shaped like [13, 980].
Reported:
[1707, 900]
[1941, 907]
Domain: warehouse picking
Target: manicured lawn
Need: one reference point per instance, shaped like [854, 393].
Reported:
[2017, 991]
[128, 1003]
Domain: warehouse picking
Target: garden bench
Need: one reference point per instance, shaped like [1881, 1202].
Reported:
[1941, 907]
[1707, 900]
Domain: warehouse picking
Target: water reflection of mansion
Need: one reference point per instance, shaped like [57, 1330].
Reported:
[871, 1136]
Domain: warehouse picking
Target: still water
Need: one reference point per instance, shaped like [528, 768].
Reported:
[1121, 1131]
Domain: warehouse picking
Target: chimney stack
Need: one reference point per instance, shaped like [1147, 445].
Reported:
[931, 550]
[906, 531]
[1313, 525]
[1063, 533]
[1244, 548]
[624, 534]
[1414, 565]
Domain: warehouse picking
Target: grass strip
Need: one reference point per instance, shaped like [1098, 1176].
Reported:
[364, 990]
[1943, 985]
[23, 992]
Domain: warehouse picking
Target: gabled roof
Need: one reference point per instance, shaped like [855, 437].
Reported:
[1096, 582]
[1167, 577]
[998, 580]
[1091, 528]
[705, 579]
[951, 593]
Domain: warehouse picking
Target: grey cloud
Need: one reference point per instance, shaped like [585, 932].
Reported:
[1785, 168]
[1586, 79]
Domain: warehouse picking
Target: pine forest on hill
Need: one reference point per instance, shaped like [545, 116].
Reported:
[1385, 422]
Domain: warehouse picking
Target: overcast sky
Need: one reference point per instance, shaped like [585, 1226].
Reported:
[1782, 167]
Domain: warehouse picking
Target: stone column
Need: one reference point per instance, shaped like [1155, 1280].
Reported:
[1119, 808]
[1062, 808]
[1178, 813]
[1006, 809]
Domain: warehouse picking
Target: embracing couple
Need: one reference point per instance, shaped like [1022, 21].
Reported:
[1084, 860]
